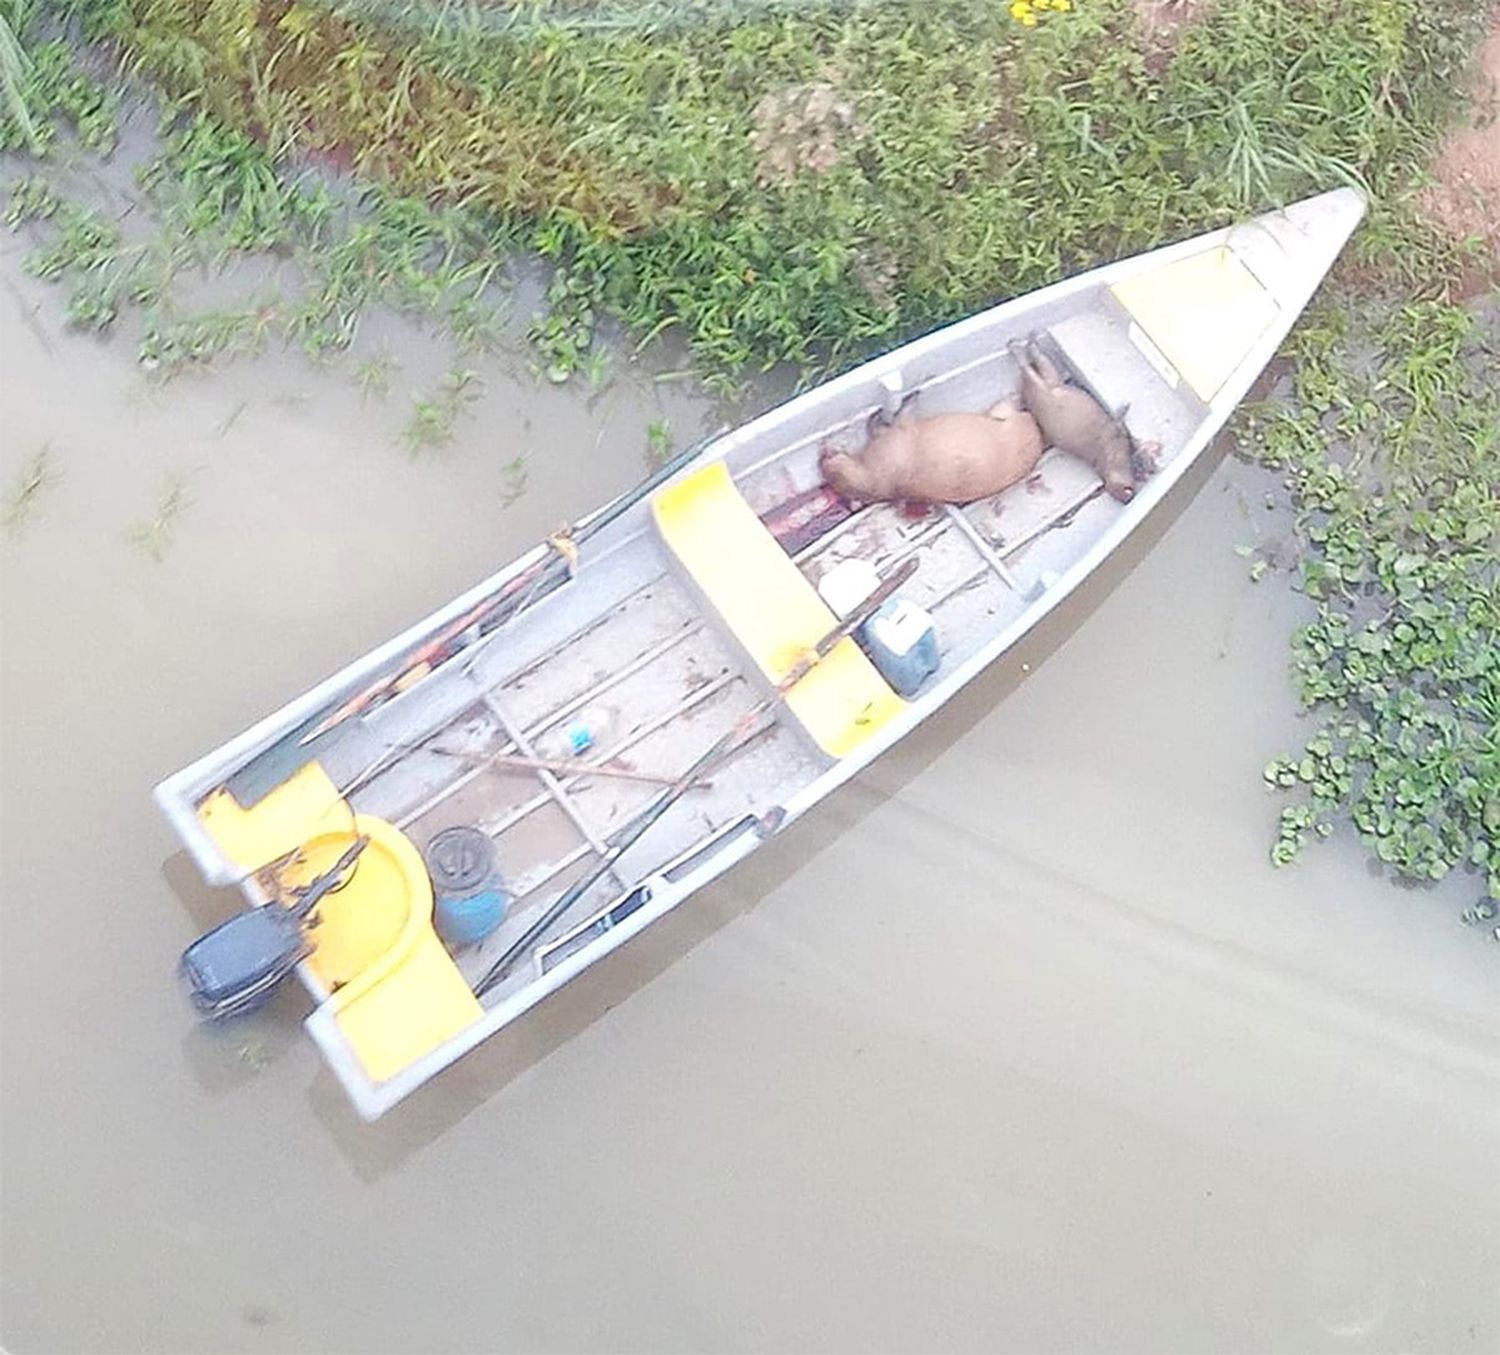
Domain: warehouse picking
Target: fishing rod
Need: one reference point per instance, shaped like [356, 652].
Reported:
[721, 748]
[550, 571]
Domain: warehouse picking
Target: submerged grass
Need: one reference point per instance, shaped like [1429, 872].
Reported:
[35, 477]
[154, 535]
[434, 415]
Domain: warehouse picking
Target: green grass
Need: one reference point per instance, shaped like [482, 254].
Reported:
[42, 85]
[765, 181]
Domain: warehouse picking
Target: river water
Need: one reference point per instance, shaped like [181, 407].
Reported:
[1018, 1043]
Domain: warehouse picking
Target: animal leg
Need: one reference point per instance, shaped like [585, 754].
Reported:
[879, 419]
[1042, 367]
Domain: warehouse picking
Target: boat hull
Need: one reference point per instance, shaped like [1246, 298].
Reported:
[1125, 333]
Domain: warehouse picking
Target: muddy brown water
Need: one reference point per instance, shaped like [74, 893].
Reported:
[1018, 1043]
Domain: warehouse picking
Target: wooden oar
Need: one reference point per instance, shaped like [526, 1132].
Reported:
[722, 747]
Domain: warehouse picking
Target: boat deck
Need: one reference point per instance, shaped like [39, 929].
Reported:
[664, 683]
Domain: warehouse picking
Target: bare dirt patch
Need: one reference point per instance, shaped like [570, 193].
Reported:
[1463, 199]
[1160, 19]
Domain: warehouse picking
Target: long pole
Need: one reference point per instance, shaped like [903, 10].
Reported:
[632, 832]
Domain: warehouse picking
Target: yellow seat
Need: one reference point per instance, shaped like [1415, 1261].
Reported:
[396, 993]
[306, 804]
[1204, 313]
[771, 609]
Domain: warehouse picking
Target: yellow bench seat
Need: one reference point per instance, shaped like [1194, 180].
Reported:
[774, 613]
[1204, 313]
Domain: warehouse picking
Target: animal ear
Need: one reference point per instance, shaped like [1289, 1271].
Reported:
[1145, 459]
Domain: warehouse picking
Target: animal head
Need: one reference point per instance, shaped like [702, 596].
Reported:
[1116, 464]
[842, 471]
[1126, 462]
[868, 476]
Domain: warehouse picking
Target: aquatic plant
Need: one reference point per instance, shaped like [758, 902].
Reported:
[31, 199]
[373, 375]
[42, 81]
[434, 416]
[154, 535]
[658, 441]
[515, 475]
[1388, 444]
[35, 477]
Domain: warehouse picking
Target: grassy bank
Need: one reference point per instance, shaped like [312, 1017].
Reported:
[796, 183]
[801, 183]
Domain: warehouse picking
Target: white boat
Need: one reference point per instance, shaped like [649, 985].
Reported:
[667, 620]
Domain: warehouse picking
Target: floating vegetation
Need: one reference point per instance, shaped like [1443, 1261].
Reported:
[514, 477]
[154, 536]
[217, 193]
[169, 345]
[658, 441]
[373, 375]
[31, 199]
[85, 243]
[36, 476]
[433, 416]
[1390, 445]
[564, 332]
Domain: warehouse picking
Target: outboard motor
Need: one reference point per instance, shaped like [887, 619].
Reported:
[235, 967]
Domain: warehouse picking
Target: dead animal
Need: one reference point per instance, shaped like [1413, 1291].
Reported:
[948, 458]
[1074, 422]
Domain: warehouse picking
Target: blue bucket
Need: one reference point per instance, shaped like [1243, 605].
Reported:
[468, 895]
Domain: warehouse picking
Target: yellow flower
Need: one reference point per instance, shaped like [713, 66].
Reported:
[1028, 20]
[1062, 5]
[1020, 9]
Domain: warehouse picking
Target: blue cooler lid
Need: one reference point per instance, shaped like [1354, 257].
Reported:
[899, 627]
